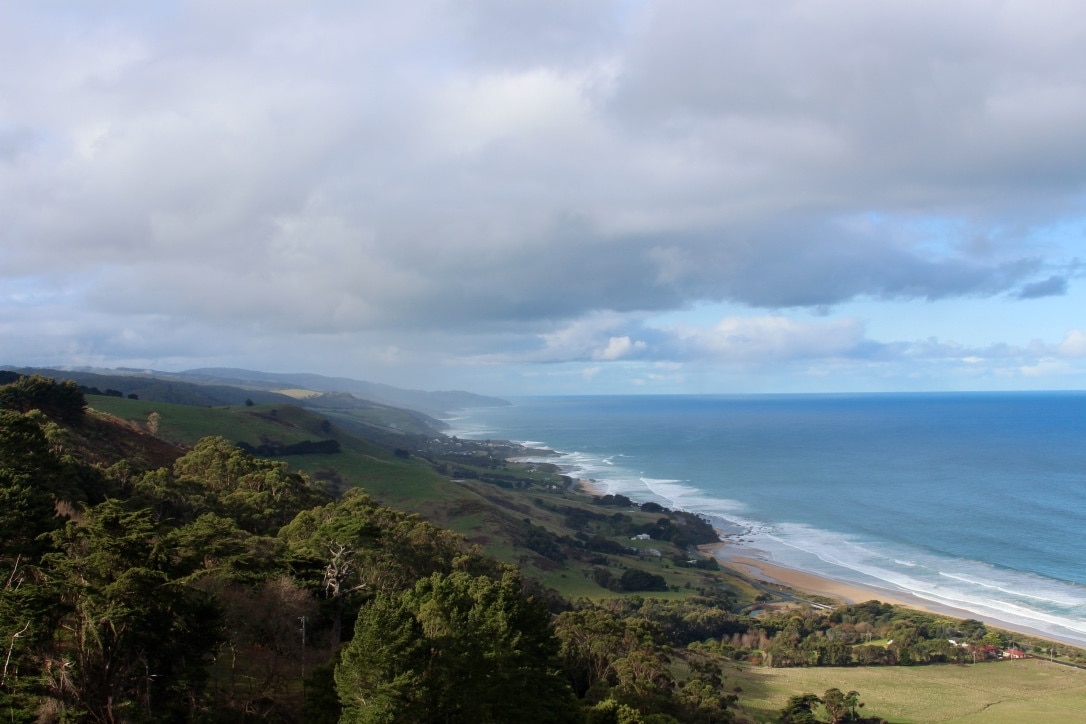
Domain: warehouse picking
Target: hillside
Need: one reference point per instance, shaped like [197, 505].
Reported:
[528, 515]
[227, 386]
[172, 527]
[431, 402]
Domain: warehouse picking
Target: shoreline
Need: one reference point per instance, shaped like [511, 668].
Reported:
[751, 563]
[589, 487]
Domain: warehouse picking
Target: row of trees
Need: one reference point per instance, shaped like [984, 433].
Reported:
[867, 634]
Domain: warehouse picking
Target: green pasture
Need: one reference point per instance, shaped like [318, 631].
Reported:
[391, 480]
[1007, 692]
[385, 418]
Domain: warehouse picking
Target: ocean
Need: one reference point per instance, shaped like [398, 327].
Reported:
[975, 501]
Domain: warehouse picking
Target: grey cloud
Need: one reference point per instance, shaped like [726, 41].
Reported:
[15, 141]
[500, 170]
[1054, 286]
[523, 33]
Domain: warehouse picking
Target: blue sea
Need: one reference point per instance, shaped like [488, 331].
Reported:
[975, 501]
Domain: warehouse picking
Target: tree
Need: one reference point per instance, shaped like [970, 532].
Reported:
[611, 712]
[382, 670]
[594, 640]
[63, 400]
[28, 618]
[136, 644]
[995, 638]
[800, 709]
[635, 579]
[840, 706]
[356, 547]
[261, 495]
[455, 647]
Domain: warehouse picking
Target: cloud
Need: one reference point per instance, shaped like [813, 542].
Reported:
[495, 174]
[618, 348]
[1073, 344]
[1054, 286]
[774, 339]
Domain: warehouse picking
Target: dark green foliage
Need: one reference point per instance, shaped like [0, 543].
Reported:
[540, 540]
[321, 705]
[840, 706]
[614, 653]
[213, 544]
[61, 401]
[26, 457]
[381, 673]
[32, 478]
[695, 619]
[140, 643]
[618, 501]
[261, 495]
[800, 709]
[685, 530]
[600, 544]
[26, 512]
[29, 613]
[306, 447]
[635, 579]
[453, 648]
[348, 549]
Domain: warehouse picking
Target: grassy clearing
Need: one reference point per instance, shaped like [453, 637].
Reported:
[1008, 691]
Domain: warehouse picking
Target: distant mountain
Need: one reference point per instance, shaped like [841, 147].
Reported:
[421, 400]
[228, 386]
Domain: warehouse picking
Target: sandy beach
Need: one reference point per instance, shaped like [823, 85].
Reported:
[752, 563]
[589, 487]
[749, 562]
[746, 561]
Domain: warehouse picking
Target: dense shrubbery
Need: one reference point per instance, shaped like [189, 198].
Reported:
[63, 400]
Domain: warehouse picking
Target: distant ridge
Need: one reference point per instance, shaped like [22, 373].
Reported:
[421, 400]
[231, 386]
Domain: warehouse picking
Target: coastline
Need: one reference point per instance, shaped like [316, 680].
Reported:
[589, 487]
[756, 564]
[751, 562]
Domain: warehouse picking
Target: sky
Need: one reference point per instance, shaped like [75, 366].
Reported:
[559, 197]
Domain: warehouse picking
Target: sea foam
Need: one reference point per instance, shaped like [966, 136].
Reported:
[970, 501]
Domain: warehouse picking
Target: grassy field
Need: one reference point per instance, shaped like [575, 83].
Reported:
[1008, 692]
[393, 481]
